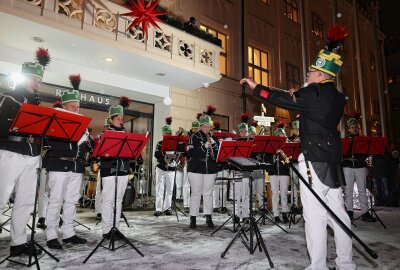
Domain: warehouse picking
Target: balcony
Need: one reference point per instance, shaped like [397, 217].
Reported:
[83, 31]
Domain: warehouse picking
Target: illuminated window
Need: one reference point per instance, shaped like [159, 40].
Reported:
[291, 10]
[292, 76]
[317, 25]
[258, 66]
[223, 55]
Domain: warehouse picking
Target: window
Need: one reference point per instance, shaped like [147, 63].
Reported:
[292, 76]
[291, 10]
[223, 55]
[317, 25]
[258, 66]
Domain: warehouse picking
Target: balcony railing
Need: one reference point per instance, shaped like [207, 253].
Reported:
[103, 16]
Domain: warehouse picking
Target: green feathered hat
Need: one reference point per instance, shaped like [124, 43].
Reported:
[115, 110]
[253, 127]
[37, 68]
[72, 95]
[352, 121]
[205, 118]
[195, 124]
[279, 131]
[281, 128]
[167, 128]
[296, 124]
[244, 120]
[124, 103]
[328, 60]
[243, 126]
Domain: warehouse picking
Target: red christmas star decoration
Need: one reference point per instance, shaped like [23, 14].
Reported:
[143, 14]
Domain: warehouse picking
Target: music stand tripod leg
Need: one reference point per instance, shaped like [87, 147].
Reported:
[175, 207]
[33, 243]
[114, 230]
[264, 214]
[80, 224]
[125, 219]
[372, 210]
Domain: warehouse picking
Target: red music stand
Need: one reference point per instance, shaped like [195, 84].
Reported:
[292, 150]
[224, 135]
[118, 144]
[229, 149]
[345, 146]
[267, 144]
[172, 143]
[370, 146]
[46, 122]
[49, 122]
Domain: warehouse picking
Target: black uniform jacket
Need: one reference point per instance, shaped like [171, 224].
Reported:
[321, 106]
[64, 156]
[108, 165]
[201, 159]
[10, 102]
[353, 161]
[160, 156]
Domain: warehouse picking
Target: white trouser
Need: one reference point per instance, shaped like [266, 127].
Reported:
[64, 191]
[186, 188]
[242, 198]
[360, 176]
[295, 185]
[107, 203]
[201, 184]
[43, 198]
[18, 173]
[179, 184]
[317, 218]
[220, 189]
[164, 184]
[230, 195]
[97, 202]
[258, 186]
[279, 187]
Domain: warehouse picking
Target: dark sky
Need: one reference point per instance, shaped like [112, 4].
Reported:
[389, 17]
[389, 22]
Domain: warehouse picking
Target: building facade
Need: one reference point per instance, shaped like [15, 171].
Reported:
[280, 39]
[277, 53]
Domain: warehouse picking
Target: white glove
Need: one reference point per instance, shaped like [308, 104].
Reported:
[207, 145]
[211, 140]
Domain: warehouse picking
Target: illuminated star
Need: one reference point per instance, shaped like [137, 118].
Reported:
[143, 14]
